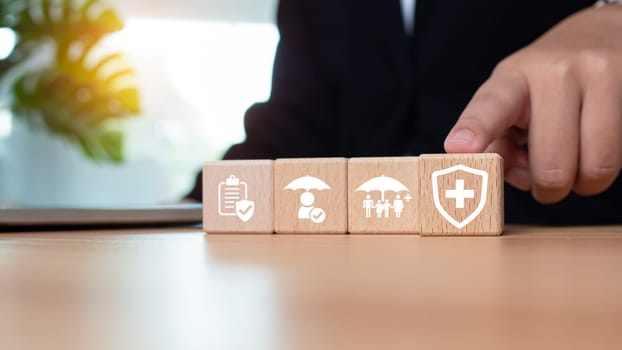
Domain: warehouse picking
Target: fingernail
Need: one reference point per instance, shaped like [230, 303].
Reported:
[519, 178]
[462, 136]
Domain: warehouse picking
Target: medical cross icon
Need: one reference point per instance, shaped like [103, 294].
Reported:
[459, 194]
[474, 177]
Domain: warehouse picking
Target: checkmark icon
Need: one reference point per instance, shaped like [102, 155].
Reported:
[245, 210]
[318, 215]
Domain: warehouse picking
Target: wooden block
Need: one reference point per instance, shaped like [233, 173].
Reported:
[383, 195]
[461, 194]
[238, 196]
[310, 195]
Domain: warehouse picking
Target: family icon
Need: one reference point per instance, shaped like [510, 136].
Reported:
[382, 207]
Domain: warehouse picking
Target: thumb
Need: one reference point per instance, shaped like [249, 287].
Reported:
[500, 103]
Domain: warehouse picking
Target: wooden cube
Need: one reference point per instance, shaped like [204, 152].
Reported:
[461, 194]
[310, 195]
[383, 195]
[238, 196]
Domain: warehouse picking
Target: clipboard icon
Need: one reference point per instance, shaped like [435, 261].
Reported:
[233, 199]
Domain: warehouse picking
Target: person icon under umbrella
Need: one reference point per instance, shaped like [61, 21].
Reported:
[307, 199]
[308, 210]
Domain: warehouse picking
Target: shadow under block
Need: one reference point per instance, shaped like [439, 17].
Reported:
[383, 195]
[461, 194]
[238, 196]
[310, 195]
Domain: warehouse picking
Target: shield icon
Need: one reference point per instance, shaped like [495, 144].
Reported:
[244, 209]
[459, 194]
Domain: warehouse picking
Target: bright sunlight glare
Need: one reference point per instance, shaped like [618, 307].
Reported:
[196, 79]
[5, 123]
[200, 75]
[7, 42]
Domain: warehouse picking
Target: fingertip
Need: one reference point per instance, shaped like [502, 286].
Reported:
[463, 141]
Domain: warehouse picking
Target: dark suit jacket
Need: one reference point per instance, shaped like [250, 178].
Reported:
[349, 82]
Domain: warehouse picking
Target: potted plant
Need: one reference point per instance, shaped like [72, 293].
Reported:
[56, 80]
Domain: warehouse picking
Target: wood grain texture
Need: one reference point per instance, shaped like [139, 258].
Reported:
[365, 214]
[489, 221]
[161, 289]
[325, 211]
[256, 177]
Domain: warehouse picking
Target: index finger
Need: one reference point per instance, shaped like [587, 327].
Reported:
[500, 103]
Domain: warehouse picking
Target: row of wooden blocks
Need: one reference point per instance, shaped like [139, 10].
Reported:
[459, 194]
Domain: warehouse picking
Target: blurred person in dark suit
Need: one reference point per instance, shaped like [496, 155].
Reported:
[539, 82]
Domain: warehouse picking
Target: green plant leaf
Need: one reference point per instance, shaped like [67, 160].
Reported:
[34, 20]
[71, 98]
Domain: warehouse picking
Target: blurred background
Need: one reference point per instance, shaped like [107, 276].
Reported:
[199, 64]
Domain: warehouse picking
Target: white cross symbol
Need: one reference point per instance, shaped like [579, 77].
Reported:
[459, 194]
[408, 198]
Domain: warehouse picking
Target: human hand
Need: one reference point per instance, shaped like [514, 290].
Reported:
[562, 96]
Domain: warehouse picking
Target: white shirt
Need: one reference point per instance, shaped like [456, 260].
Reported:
[408, 13]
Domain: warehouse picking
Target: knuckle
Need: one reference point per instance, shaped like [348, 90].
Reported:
[494, 101]
[595, 180]
[562, 68]
[599, 173]
[598, 60]
[512, 68]
[554, 178]
[507, 65]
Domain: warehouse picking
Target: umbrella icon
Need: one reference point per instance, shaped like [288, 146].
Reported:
[382, 184]
[307, 183]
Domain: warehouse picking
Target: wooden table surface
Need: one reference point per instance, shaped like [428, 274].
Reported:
[180, 289]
